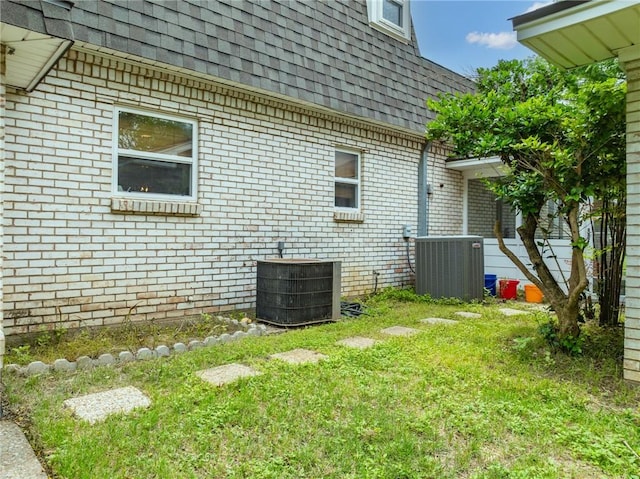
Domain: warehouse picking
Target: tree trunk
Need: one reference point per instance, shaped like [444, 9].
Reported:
[565, 304]
[611, 262]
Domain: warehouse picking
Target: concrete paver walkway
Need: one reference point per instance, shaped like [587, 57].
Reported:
[468, 314]
[17, 459]
[299, 356]
[512, 312]
[96, 407]
[358, 342]
[226, 374]
[400, 331]
[438, 321]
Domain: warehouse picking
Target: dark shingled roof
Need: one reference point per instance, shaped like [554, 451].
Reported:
[41, 16]
[319, 51]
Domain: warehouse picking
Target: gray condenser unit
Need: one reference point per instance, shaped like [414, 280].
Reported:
[450, 266]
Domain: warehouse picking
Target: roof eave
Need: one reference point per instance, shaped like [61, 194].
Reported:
[35, 35]
[576, 33]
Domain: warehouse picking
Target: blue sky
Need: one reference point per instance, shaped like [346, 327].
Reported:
[466, 34]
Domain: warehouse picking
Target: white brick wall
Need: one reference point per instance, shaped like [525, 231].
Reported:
[76, 256]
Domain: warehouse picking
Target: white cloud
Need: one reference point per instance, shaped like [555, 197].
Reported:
[500, 40]
[537, 5]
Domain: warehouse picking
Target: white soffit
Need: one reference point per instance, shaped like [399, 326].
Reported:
[584, 34]
[29, 55]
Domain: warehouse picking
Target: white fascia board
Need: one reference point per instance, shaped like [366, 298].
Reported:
[473, 163]
[572, 16]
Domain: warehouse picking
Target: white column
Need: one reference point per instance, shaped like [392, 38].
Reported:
[630, 59]
[3, 101]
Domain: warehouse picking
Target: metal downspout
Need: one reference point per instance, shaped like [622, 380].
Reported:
[423, 192]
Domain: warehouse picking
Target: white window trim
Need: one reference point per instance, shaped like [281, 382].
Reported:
[193, 161]
[351, 181]
[377, 20]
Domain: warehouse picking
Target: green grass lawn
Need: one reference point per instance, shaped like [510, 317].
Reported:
[481, 399]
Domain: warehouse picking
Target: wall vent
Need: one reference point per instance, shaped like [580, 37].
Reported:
[295, 292]
[450, 266]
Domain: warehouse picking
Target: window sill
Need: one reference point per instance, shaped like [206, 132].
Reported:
[147, 207]
[398, 34]
[347, 217]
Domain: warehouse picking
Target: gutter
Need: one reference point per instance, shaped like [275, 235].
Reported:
[423, 191]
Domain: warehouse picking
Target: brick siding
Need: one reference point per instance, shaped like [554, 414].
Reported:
[75, 256]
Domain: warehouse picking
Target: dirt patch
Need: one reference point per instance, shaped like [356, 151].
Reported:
[47, 346]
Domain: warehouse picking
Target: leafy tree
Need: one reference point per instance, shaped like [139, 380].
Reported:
[561, 137]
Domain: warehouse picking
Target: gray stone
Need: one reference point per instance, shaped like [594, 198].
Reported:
[239, 335]
[64, 365]
[144, 354]
[180, 348]
[235, 322]
[105, 359]
[226, 374]
[467, 314]
[262, 327]
[254, 332]
[211, 341]
[84, 362]
[195, 344]
[225, 338]
[299, 356]
[17, 459]
[37, 367]
[13, 369]
[358, 342]
[163, 351]
[438, 321]
[400, 331]
[512, 312]
[96, 407]
[126, 357]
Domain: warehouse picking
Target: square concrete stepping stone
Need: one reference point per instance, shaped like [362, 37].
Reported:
[512, 312]
[226, 374]
[96, 407]
[438, 321]
[467, 314]
[299, 356]
[358, 342]
[400, 331]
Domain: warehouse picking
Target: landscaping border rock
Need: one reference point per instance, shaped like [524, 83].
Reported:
[143, 354]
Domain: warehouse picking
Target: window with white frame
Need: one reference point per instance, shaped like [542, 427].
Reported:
[347, 180]
[391, 17]
[155, 154]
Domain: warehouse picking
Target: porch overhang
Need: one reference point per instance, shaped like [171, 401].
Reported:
[479, 165]
[576, 33]
[465, 164]
[34, 36]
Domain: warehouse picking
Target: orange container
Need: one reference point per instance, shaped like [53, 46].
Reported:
[509, 288]
[532, 294]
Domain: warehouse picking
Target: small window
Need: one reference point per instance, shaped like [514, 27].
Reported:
[392, 12]
[154, 154]
[391, 17]
[347, 180]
